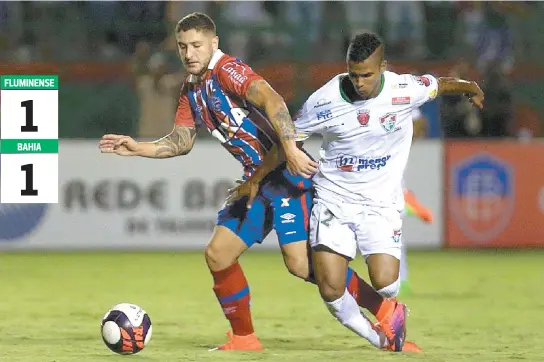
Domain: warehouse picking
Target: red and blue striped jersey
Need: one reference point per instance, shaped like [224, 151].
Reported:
[218, 101]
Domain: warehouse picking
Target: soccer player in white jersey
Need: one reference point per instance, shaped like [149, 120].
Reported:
[365, 119]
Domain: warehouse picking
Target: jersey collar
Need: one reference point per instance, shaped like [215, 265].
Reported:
[215, 58]
[346, 98]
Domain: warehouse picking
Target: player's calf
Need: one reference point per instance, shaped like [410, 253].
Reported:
[231, 288]
[330, 272]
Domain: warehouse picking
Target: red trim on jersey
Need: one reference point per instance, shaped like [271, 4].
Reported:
[184, 115]
[304, 205]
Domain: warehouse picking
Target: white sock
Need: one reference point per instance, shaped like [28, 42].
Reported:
[346, 310]
[390, 291]
[403, 264]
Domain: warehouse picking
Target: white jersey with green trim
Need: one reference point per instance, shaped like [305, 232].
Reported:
[365, 143]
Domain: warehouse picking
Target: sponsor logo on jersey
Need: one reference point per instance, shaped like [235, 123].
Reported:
[482, 196]
[363, 116]
[236, 72]
[356, 164]
[399, 86]
[324, 115]
[400, 100]
[287, 218]
[322, 102]
[388, 122]
[422, 80]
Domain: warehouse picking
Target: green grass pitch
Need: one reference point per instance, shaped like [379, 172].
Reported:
[465, 306]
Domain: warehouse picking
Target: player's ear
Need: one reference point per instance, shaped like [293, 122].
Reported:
[383, 66]
[215, 43]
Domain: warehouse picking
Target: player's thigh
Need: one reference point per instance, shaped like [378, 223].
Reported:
[296, 256]
[237, 229]
[291, 213]
[379, 240]
[327, 231]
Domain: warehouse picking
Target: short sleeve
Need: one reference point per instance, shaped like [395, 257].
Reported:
[422, 88]
[236, 76]
[302, 121]
[308, 121]
[184, 115]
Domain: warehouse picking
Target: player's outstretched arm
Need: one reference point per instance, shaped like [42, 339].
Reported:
[261, 94]
[179, 142]
[450, 85]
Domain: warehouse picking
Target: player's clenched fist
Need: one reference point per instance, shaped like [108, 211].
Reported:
[299, 163]
[119, 144]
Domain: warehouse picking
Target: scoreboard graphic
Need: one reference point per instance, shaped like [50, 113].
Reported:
[29, 144]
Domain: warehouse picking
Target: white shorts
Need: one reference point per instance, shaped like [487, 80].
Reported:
[344, 228]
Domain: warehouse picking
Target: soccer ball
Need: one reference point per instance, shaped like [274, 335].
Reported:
[126, 329]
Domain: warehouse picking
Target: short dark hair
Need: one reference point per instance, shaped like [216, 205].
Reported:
[197, 21]
[363, 46]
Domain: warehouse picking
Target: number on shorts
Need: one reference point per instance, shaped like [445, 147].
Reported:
[327, 221]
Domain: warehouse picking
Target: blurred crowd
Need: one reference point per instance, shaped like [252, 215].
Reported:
[480, 33]
[106, 30]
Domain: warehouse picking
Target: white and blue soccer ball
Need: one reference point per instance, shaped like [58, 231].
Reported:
[126, 328]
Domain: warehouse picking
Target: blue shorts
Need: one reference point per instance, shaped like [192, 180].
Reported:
[279, 205]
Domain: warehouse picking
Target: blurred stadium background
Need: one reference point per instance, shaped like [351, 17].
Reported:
[479, 171]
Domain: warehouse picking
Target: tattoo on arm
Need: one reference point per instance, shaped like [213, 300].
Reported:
[284, 124]
[178, 142]
[260, 94]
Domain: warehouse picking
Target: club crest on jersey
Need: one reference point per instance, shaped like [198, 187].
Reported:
[216, 104]
[397, 234]
[363, 116]
[388, 122]
[481, 196]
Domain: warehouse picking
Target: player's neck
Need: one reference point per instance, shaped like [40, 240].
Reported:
[350, 94]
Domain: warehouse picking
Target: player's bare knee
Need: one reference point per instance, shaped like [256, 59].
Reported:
[331, 291]
[216, 258]
[383, 278]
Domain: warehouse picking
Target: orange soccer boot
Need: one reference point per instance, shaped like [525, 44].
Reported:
[240, 343]
[393, 324]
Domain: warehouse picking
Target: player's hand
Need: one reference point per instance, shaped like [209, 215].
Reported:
[118, 144]
[245, 188]
[477, 97]
[298, 162]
